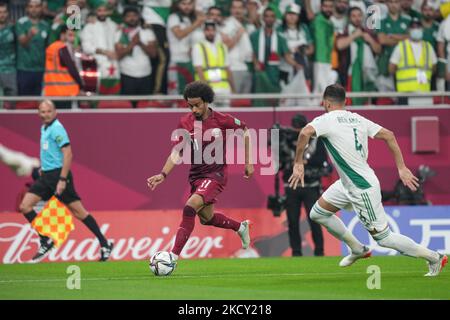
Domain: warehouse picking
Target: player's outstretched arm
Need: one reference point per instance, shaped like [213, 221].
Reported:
[298, 173]
[171, 161]
[408, 179]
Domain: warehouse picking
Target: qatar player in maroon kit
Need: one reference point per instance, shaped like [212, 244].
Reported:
[207, 179]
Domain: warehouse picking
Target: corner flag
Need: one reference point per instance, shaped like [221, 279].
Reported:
[54, 221]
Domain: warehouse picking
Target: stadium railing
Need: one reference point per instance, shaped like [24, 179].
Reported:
[373, 99]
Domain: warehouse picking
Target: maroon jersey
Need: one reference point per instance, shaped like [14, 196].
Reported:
[217, 123]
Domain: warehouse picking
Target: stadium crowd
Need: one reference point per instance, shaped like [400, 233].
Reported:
[147, 47]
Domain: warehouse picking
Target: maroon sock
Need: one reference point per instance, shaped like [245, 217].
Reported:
[220, 220]
[185, 229]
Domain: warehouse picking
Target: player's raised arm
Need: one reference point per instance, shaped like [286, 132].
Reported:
[249, 169]
[299, 171]
[171, 161]
[408, 179]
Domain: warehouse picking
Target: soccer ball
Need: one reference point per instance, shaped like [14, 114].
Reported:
[161, 263]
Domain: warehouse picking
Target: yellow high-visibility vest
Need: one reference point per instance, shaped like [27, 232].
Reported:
[445, 9]
[407, 74]
[214, 69]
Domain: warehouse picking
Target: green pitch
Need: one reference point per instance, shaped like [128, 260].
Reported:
[265, 278]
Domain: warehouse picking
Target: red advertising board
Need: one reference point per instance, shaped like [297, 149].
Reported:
[139, 234]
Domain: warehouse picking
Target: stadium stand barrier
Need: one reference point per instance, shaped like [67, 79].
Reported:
[236, 100]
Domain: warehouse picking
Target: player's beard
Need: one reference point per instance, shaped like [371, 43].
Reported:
[198, 117]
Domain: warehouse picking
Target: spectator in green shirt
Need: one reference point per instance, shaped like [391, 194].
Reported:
[8, 82]
[323, 34]
[393, 29]
[408, 10]
[430, 31]
[224, 6]
[60, 20]
[268, 48]
[430, 26]
[51, 8]
[32, 32]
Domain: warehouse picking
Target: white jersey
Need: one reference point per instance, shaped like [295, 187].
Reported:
[344, 134]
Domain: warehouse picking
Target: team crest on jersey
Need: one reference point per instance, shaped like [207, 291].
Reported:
[237, 121]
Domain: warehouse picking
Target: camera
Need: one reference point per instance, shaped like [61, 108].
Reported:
[287, 141]
[276, 203]
[315, 168]
[402, 195]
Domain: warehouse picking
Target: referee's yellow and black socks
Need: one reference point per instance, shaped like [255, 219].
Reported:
[92, 225]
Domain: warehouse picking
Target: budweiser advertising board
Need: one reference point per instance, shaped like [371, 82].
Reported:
[138, 234]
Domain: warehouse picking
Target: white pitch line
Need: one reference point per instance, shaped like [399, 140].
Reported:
[207, 276]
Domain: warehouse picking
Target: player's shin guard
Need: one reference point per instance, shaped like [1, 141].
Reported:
[220, 220]
[185, 229]
[404, 245]
[336, 227]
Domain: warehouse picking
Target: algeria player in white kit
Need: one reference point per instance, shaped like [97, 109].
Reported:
[345, 136]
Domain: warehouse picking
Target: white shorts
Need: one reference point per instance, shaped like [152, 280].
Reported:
[366, 203]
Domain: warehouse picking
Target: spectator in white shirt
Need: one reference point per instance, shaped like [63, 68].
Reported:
[98, 39]
[182, 22]
[240, 51]
[155, 14]
[134, 47]
[214, 14]
[443, 42]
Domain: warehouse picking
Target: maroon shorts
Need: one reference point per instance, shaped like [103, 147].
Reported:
[207, 188]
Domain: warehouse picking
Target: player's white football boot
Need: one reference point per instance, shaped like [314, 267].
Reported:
[352, 258]
[436, 268]
[244, 233]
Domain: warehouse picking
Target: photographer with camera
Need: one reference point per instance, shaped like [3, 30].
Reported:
[316, 166]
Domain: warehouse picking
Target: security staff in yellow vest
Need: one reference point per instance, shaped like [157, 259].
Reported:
[413, 62]
[61, 77]
[211, 63]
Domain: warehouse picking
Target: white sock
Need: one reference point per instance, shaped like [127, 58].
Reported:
[175, 256]
[336, 227]
[241, 228]
[405, 246]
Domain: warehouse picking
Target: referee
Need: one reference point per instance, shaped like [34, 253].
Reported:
[56, 178]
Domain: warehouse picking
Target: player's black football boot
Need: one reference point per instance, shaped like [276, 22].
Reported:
[105, 252]
[46, 246]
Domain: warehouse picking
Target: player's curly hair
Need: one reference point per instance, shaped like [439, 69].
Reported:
[199, 89]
